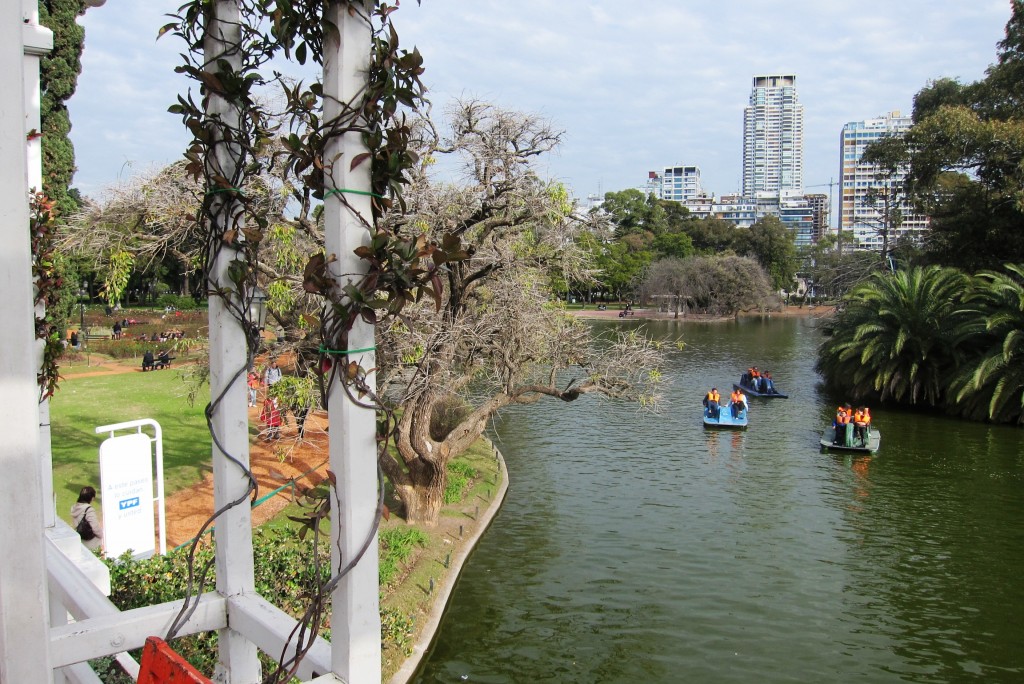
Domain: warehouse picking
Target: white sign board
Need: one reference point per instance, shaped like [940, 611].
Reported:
[126, 483]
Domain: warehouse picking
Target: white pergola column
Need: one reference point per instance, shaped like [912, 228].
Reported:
[24, 604]
[355, 634]
[38, 41]
[238, 662]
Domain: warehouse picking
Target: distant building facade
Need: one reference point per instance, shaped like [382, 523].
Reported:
[773, 137]
[858, 213]
[821, 212]
[681, 183]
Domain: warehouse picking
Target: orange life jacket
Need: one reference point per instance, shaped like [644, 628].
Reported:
[842, 417]
[713, 396]
[866, 416]
[737, 397]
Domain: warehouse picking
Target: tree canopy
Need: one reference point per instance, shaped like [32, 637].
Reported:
[58, 79]
[932, 336]
[965, 153]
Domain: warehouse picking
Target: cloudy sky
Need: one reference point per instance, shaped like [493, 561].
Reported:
[635, 86]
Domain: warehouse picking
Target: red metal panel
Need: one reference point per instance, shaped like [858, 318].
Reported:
[161, 665]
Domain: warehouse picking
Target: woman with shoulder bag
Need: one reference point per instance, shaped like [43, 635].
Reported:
[85, 520]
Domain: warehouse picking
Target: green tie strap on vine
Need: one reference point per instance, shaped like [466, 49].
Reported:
[339, 191]
[325, 350]
[229, 189]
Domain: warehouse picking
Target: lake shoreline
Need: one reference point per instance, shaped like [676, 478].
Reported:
[655, 314]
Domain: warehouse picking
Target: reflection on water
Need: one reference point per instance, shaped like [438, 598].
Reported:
[646, 548]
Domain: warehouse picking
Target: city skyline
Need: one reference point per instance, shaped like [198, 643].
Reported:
[658, 86]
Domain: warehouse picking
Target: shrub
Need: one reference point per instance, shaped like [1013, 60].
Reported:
[284, 574]
[183, 302]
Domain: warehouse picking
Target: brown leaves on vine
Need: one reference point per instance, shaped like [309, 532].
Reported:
[47, 281]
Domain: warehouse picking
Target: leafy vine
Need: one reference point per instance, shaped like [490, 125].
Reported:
[47, 282]
[225, 151]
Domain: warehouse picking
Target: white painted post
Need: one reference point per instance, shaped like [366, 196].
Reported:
[238, 662]
[355, 633]
[38, 43]
[24, 602]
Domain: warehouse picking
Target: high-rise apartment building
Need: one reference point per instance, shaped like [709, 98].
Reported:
[866, 191]
[773, 137]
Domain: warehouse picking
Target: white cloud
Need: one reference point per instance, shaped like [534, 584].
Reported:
[635, 86]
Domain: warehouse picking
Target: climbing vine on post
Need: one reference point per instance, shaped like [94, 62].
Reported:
[400, 268]
[47, 282]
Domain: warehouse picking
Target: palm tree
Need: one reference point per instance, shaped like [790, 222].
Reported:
[992, 384]
[899, 336]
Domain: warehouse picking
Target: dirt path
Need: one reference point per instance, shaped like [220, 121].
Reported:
[275, 464]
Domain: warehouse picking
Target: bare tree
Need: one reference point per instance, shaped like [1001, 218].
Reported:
[496, 338]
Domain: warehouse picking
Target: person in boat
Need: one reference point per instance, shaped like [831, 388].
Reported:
[746, 377]
[861, 425]
[712, 402]
[738, 402]
[755, 378]
[841, 424]
[767, 386]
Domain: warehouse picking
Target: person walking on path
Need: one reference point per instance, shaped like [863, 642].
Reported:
[270, 415]
[85, 520]
[273, 373]
[253, 382]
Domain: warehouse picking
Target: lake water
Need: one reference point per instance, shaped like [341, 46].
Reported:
[642, 548]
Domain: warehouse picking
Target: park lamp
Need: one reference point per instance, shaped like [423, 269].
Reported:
[258, 308]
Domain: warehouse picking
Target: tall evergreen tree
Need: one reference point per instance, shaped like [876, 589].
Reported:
[58, 79]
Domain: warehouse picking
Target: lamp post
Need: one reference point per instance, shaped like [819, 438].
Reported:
[258, 308]
[83, 296]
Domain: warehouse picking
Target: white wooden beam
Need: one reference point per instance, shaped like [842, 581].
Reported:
[123, 631]
[76, 593]
[355, 633]
[271, 629]
[79, 673]
[38, 41]
[238, 662]
[24, 604]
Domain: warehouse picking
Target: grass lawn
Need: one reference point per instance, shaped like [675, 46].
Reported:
[84, 403]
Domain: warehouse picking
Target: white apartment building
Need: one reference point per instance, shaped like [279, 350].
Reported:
[773, 136]
[681, 183]
[858, 213]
